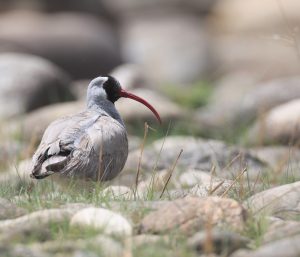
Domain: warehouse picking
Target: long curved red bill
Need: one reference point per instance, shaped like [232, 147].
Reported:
[126, 94]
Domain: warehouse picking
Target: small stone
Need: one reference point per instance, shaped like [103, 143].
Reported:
[282, 201]
[192, 213]
[191, 178]
[205, 184]
[109, 222]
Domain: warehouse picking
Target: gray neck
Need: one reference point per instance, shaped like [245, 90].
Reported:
[106, 107]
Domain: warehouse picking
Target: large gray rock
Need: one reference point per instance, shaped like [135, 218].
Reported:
[28, 82]
[282, 201]
[82, 45]
[170, 48]
[225, 101]
[279, 125]
[238, 100]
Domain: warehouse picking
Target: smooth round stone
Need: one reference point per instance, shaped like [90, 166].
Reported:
[108, 222]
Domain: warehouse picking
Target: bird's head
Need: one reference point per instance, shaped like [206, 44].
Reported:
[108, 88]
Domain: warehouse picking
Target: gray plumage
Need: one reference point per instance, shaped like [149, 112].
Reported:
[89, 145]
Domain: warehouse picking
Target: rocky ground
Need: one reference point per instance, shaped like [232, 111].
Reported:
[220, 176]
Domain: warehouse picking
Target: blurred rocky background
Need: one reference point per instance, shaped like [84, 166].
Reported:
[224, 76]
[217, 69]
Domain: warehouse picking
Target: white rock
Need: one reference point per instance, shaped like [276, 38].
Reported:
[109, 222]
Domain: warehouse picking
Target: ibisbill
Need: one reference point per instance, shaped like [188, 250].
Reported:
[91, 144]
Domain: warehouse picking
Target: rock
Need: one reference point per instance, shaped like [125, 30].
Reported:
[10, 151]
[106, 245]
[283, 160]
[118, 192]
[130, 76]
[132, 207]
[36, 220]
[155, 183]
[282, 201]
[225, 101]
[222, 242]
[144, 239]
[9, 210]
[280, 229]
[109, 222]
[215, 188]
[18, 175]
[198, 154]
[164, 59]
[257, 44]
[192, 213]
[278, 156]
[21, 251]
[272, 127]
[199, 183]
[267, 95]
[288, 247]
[28, 82]
[192, 178]
[233, 106]
[79, 88]
[58, 36]
[252, 17]
[132, 111]
[134, 7]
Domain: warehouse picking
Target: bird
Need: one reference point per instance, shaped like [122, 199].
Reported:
[92, 144]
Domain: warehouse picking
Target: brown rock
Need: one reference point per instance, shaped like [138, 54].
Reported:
[192, 213]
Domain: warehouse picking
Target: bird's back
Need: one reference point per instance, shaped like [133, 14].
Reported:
[86, 145]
